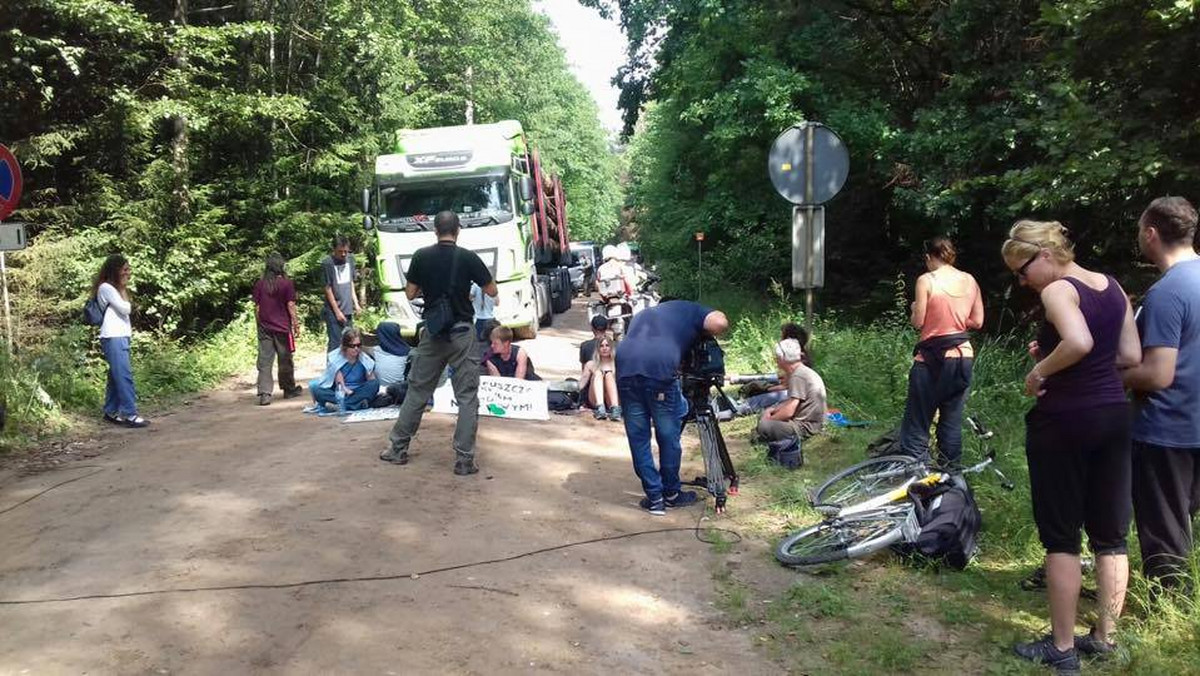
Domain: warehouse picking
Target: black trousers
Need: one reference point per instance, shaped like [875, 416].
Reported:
[1166, 497]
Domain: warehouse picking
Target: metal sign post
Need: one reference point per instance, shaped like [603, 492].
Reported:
[699, 266]
[808, 165]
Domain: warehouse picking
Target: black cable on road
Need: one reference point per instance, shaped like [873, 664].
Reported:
[373, 578]
[43, 492]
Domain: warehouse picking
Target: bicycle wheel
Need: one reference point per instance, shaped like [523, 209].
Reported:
[868, 479]
[839, 539]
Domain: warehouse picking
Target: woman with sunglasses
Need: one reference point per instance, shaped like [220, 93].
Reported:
[1077, 435]
[350, 371]
[947, 305]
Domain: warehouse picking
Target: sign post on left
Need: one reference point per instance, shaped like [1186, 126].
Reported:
[10, 196]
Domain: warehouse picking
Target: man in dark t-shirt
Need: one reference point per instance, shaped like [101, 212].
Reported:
[341, 303]
[647, 363]
[444, 270]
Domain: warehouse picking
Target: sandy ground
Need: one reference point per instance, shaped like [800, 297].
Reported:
[220, 492]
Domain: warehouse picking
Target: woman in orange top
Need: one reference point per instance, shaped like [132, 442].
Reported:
[947, 305]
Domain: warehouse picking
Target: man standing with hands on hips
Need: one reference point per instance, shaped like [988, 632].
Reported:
[647, 382]
[443, 274]
[341, 303]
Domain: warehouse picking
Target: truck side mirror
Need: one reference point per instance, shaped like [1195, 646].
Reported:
[366, 201]
[526, 188]
[527, 208]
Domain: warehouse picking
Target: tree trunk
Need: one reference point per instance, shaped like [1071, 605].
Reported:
[179, 131]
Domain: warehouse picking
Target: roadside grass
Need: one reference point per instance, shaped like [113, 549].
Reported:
[883, 615]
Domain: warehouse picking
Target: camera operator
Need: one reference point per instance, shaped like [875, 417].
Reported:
[647, 364]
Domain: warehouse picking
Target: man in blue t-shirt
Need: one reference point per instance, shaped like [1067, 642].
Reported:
[1166, 431]
[647, 365]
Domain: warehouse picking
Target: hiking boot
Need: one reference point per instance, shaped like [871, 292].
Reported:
[293, 393]
[656, 507]
[394, 456]
[1045, 652]
[465, 467]
[599, 413]
[264, 399]
[1090, 644]
[680, 499]
[615, 414]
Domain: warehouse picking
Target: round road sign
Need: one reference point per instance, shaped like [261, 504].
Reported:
[10, 183]
[788, 163]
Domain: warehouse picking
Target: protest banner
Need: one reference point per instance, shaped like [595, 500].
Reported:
[500, 398]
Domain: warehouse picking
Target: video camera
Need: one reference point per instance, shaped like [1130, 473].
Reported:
[703, 365]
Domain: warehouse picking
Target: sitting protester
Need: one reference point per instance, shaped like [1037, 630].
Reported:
[602, 373]
[803, 413]
[391, 364]
[777, 392]
[350, 371]
[507, 360]
[587, 349]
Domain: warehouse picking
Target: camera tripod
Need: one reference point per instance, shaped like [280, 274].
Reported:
[720, 478]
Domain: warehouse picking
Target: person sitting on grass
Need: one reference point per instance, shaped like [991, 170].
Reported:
[601, 373]
[777, 393]
[349, 370]
[507, 360]
[803, 413]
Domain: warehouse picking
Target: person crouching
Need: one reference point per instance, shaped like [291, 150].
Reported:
[802, 414]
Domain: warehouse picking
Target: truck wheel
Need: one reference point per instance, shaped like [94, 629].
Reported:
[545, 313]
[568, 291]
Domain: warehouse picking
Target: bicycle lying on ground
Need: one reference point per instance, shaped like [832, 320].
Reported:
[873, 505]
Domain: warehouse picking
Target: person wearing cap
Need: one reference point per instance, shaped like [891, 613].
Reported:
[802, 414]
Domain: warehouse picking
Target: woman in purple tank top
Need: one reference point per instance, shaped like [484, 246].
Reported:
[1077, 435]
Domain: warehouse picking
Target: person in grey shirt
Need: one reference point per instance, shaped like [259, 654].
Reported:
[341, 303]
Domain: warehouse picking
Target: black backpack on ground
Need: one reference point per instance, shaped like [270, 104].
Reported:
[950, 522]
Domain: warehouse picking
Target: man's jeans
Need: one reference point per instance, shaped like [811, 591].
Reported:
[334, 329]
[428, 359]
[947, 397]
[645, 401]
[119, 395]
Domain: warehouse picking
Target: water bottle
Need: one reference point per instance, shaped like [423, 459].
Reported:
[341, 399]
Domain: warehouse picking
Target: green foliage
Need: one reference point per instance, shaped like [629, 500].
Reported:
[959, 117]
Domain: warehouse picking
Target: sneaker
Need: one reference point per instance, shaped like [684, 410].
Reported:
[293, 393]
[264, 400]
[615, 414]
[1090, 644]
[680, 499]
[113, 418]
[656, 507]
[313, 408]
[465, 467]
[599, 413]
[135, 421]
[1045, 652]
[394, 456]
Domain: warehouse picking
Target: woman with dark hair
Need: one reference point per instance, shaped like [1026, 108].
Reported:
[1077, 434]
[350, 376]
[947, 305]
[275, 316]
[111, 289]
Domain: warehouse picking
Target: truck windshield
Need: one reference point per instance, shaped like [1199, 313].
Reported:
[478, 201]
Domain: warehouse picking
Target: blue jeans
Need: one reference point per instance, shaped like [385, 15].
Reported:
[946, 396]
[334, 328]
[360, 398]
[645, 401]
[119, 395]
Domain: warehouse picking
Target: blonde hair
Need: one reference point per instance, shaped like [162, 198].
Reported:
[1026, 238]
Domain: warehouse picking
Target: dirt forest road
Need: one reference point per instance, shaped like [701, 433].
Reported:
[222, 493]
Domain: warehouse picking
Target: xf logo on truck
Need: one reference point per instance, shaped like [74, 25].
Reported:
[439, 160]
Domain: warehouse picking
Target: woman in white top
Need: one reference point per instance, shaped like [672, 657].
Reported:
[112, 290]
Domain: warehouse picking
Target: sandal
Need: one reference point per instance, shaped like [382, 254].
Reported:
[113, 419]
[135, 421]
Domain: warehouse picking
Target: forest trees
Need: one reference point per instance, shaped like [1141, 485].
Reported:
[960, 116]
[195, 135]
